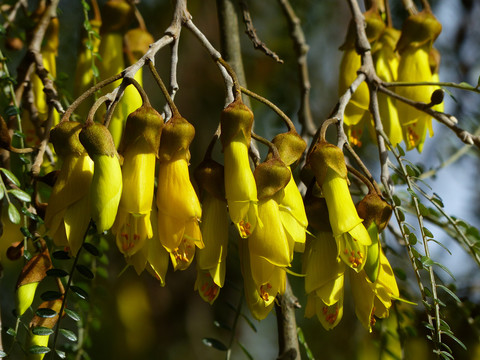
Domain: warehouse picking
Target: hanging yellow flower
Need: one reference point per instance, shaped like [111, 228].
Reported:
[374, 299]
[179, 210]
[386, 65]
[357, 117]
[211, 264]
[324, 279]
[260, 296]
[140, 146]
[106, 186]
[328, 164]
[68, 211]
[418, 34]
[240, 189]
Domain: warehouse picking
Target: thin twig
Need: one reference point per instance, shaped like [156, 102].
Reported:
[274, 107]
[301, 48]
[252, 33]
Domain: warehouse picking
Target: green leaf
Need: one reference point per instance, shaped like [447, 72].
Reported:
[449, 292]
[245, 351]
[412, 239]
[70, 335]
[42, 330]
[50, 295]
[396, 200]
[2, 193]
[82, 294]
[9, 175]
[13, 214]
[427, 232]
[61, 255]
[426, 261]
[12, 110]
[92, 249]
[216, 344]
[454, 338]
[222, 325]
[301, 340]
[444, 268]
[20, 195]
[401, 215]
[72, 314]
[249, 322]
[46, 313]
[37, 349]
[85, 271]
[423, 210]
[57, 273]
[3, 354]
[95, 71]
[11, 332]
[61, 354]
[26, 232]
[400, 150]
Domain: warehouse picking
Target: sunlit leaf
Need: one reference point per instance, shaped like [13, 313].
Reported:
[37, 349]
[214, 343]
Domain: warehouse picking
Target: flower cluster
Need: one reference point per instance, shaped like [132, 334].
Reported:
[404, 56]
[344, 245]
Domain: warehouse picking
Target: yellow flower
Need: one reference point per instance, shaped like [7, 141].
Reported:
[214, 228]
[269, 240]
[414, 45]
[324, 279]
[157, 256]
[132, 226]
[140, 146]
[260, 296]
[386, 65]
[357, 116]
[374, 298]
[240, 188]
[106, 186]
[328, 164]
[206, 286]
[68, 211]
[179, 210]
[292, 214]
